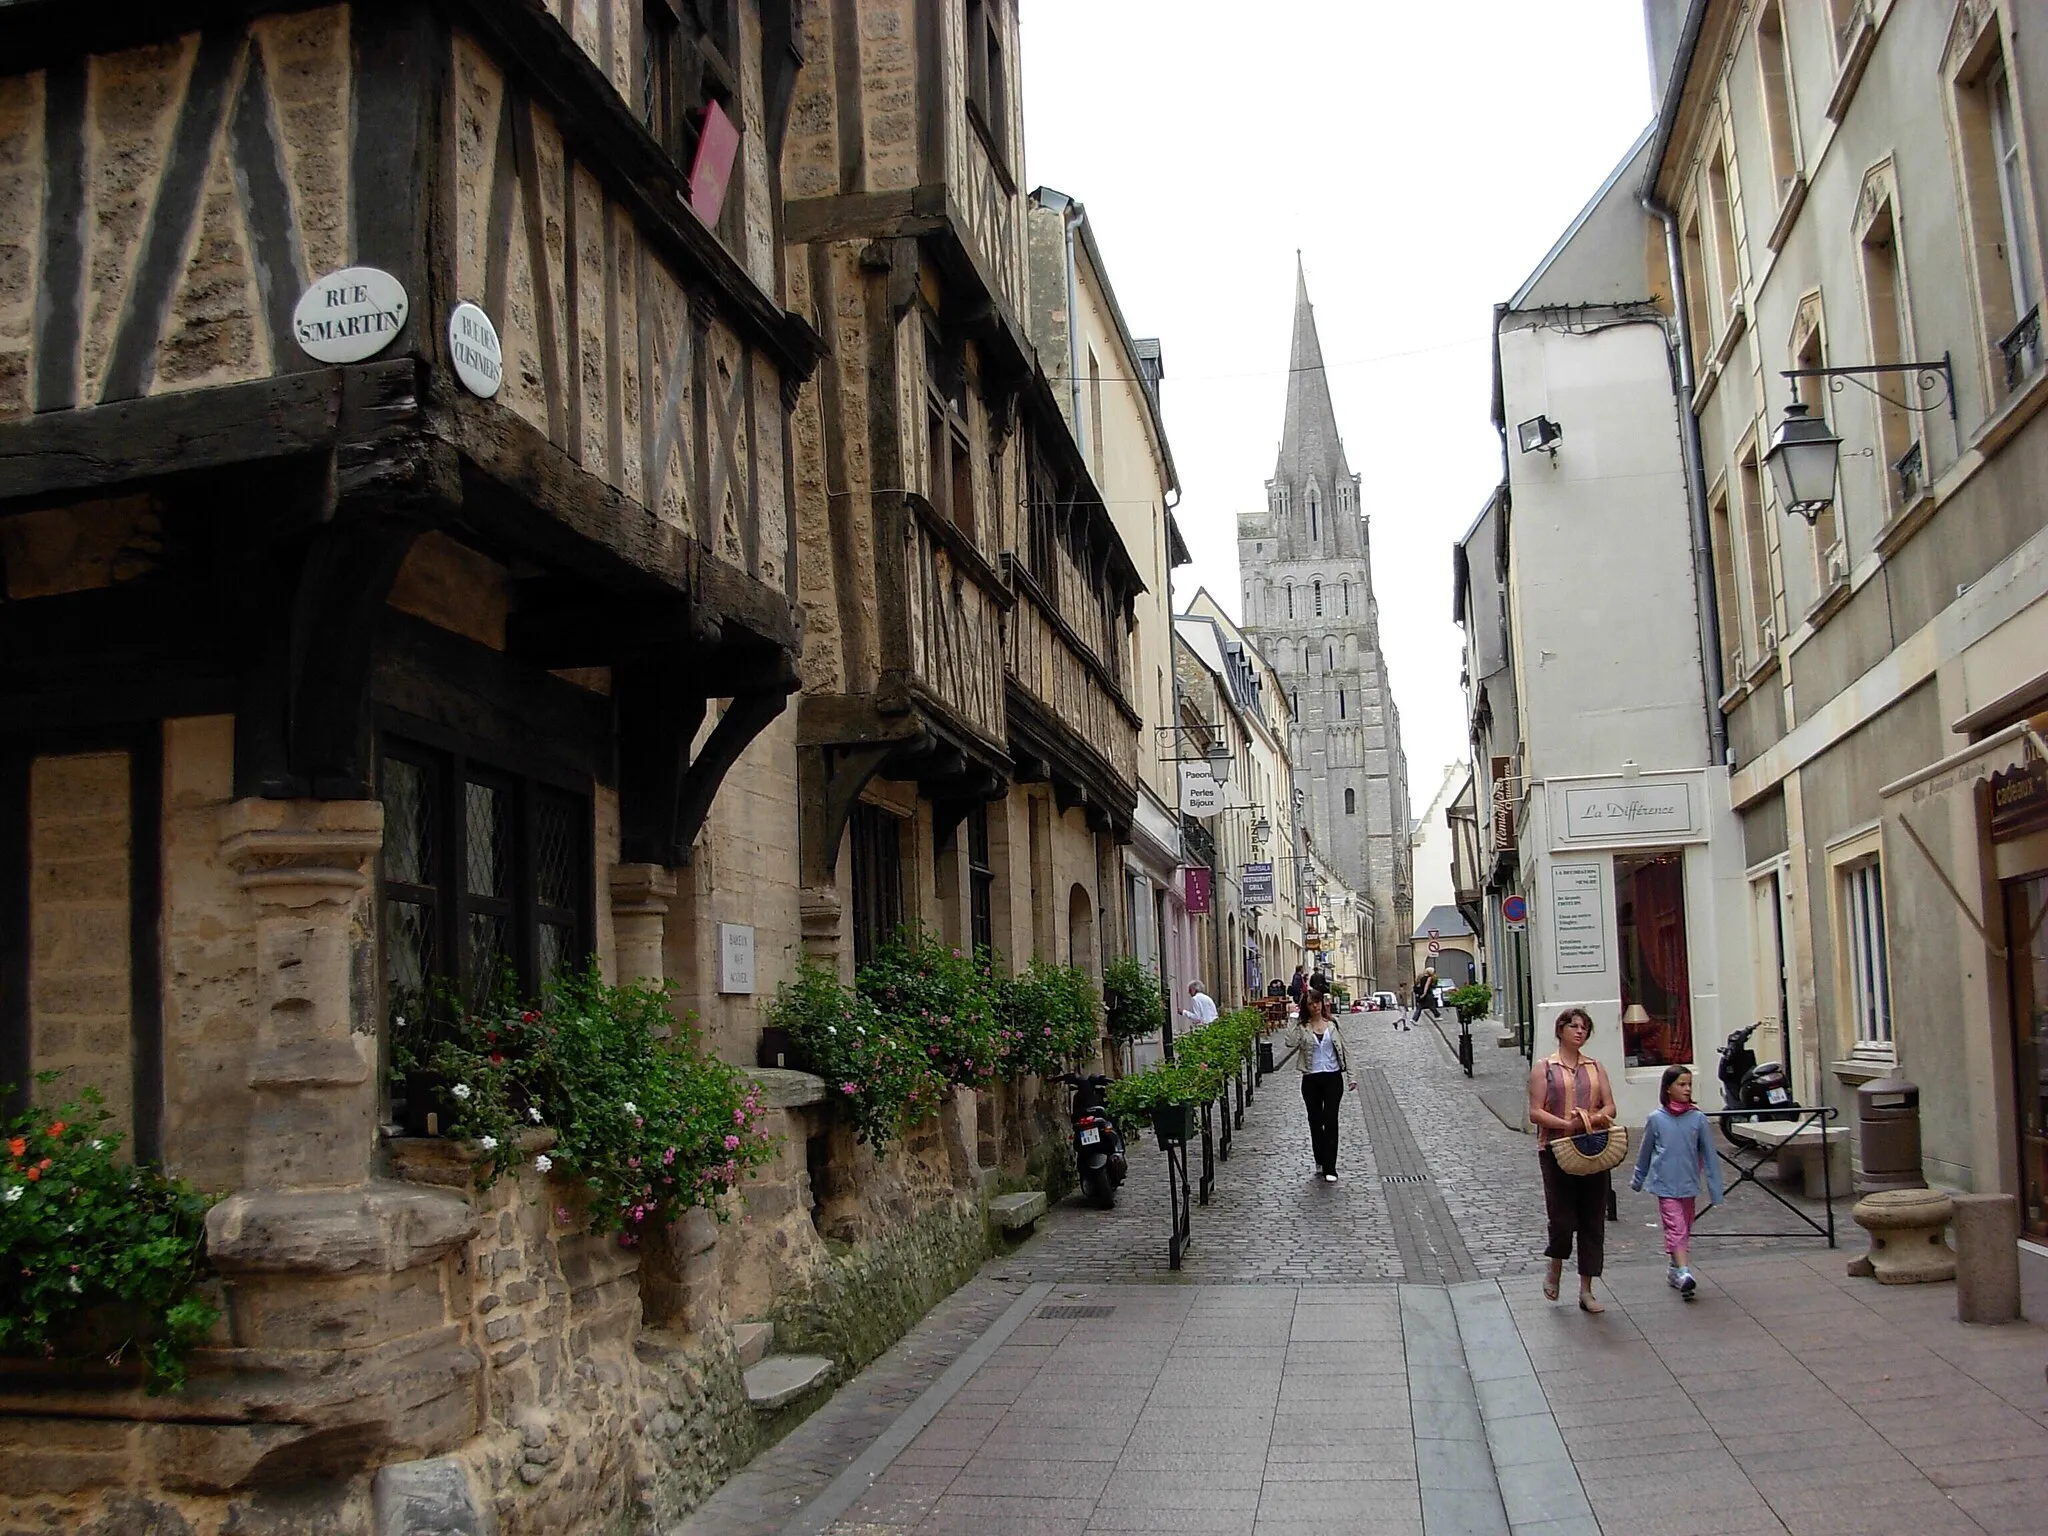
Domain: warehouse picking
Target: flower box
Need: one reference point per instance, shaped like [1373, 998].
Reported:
[1173, 1123]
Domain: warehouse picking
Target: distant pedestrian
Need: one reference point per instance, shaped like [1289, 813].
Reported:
[1425, 997]
[1298, 988]
[1201, 1008]
[1568, 1094]
[1317, 1048]
[1677, 1150]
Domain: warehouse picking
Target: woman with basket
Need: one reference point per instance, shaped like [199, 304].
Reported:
[1571, 1104]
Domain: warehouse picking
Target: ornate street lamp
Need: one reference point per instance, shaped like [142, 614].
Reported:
[1803, 461]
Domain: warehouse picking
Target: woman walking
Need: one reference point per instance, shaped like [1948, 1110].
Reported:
[1676, 1150]
[1570, 1094]
[1318, 1052]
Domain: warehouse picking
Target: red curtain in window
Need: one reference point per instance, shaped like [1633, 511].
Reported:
[1659, 902]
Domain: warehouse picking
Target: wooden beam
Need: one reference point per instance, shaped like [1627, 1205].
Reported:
[67, 453]
[864, 215]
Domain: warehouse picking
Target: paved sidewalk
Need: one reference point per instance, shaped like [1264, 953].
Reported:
[1328, 1362]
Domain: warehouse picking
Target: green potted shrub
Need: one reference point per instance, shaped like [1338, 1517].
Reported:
[1473, 1001]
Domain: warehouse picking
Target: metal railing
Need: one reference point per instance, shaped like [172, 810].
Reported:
[1801, 1119]
[2021, 347]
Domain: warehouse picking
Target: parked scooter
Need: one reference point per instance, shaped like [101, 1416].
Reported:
[1762, 1088]
[1098, 1144]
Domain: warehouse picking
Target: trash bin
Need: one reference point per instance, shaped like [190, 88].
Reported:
[1265, 1058]
[1888, 1136]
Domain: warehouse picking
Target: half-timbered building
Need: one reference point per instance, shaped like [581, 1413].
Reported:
[968, 744]
[319, 678]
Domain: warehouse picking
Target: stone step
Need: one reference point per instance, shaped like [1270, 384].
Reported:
[1016, 1213]
[780, 1380]
[754, 1341]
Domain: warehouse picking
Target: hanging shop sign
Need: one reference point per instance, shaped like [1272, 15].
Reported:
[1195, 887]
[474, 349]
[350, 315]
[1503, 802]
[1201, 794]
[1257, 882]
[2019, 801]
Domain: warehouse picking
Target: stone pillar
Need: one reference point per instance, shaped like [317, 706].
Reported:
[819, 915]
[337, 1283]
[305, 866]
[641, 894]
[1987, 1258]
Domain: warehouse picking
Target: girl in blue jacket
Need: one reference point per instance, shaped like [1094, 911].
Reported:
[1677, 1148]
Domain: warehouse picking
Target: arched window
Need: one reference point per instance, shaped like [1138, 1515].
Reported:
[1315, 527]
[1343, 496]
[1345, 586]
[1294, 704]
[1290, 599]
[1329, 655]
[1350, 802]
[1319, 599]
[1340, 703]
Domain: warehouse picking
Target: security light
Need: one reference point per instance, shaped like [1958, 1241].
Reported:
[1540, 432]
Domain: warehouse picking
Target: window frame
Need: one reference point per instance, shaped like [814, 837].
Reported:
[453, 764]
[1889, 333]
[1777, 95]
[987, 89]
[878, 902]
[1862, 972]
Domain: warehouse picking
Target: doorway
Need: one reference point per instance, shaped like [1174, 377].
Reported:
[2026, 900]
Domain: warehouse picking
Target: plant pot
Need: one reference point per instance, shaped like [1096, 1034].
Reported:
[1173, 1124]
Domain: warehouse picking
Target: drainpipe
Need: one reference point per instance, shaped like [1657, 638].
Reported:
[1695, 487]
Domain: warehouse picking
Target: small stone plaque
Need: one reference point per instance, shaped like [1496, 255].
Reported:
[350, 315]
[736, 958]
[474, 349]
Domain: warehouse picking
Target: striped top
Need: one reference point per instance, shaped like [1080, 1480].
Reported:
[1588, 1076]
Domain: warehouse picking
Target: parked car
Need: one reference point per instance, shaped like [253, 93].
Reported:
[1381, 1001]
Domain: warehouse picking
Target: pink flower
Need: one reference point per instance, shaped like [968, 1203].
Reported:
[732, 1143]
[561, 1213]
[668, 1157]
[632, 1162]
[739, 1116]
[846, 1087]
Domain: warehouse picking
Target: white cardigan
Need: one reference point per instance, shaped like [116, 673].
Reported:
[1301, 1045]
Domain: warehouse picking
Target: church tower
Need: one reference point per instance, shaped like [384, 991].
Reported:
[1306, 562]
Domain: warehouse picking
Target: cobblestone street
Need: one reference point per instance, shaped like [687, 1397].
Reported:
[1375, 1356]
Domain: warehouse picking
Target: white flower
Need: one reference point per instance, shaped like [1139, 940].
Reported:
[460, 1090]
[75, 1287]
[630, 1107]
[13, 1194]
[533, 1114]
[98, 1144]
[488, 1143]
[400, 1021]
[543, 1163]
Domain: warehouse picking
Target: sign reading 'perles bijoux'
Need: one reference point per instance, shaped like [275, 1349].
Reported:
[349, 315]
[474, 349]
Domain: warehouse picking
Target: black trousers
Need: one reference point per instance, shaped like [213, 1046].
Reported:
[1577, 1206]
[1322, 1092]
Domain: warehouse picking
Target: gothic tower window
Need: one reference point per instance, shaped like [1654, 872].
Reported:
[1350, 802]
[1330, 655]
[1343, 497]
[1315, 530]
[1340, 704]
[1290, 599]
[1319, 599]
[1345, 587]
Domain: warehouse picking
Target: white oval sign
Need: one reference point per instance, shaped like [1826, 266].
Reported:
[349, 315]
[473, 347]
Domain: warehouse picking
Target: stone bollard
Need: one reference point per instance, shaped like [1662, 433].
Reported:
[1987, 1231]
[1906, 1246]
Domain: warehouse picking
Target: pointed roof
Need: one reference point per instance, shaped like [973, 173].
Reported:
[1309, 443]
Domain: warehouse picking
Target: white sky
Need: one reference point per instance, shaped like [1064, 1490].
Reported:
[1423, 157]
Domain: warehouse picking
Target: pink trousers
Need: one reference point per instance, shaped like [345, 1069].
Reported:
[1677, 1217]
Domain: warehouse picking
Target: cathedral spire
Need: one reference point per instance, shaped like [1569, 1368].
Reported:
[1309, 445]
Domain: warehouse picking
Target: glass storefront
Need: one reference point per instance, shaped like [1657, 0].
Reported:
[2026, 900]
